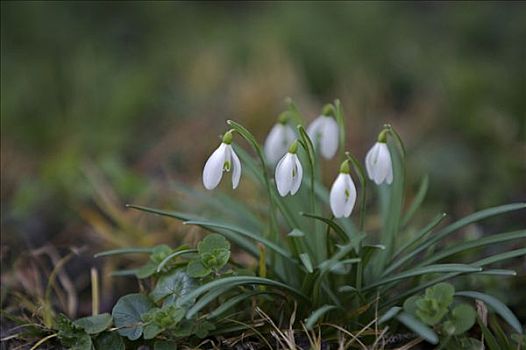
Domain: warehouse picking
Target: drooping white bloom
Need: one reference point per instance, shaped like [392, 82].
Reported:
[223, 159]
[323, 132]
[378, 164]
[289, 172]
[278, 142]
[342, 196]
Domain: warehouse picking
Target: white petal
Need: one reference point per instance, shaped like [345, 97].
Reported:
[276, 144]
[296, 181]
[236, 168]
[329, 138]
[315, 130]
[351, 199]
[213, 170]
[370, 161]
[284, 174]
[337, 196]
[383, 164]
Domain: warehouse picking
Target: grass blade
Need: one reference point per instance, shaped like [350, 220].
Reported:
[420, 234]
[418, 327]
[124, 251]
[458, 248]
[480, 215]
[438, 268]
[238, 281]
[317, 314]
[497, 305]
[392, 312]
[259, 238]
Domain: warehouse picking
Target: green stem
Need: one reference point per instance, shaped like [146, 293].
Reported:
[274, 231]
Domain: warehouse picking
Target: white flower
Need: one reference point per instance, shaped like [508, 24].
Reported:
[278, 142]
[343, 195]
[289, 172]
[323, 132]
[378, 164]
[223, 159]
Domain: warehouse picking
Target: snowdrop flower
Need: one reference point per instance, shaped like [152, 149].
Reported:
[343, 193]
[289, 172]
[323, 132]
[378, 161]
[279, 140]
[223, 159]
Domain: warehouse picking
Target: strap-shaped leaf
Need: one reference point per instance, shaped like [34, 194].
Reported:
[392, 312]
[418, 327]
[121, 251]
[317, 314]
[438, 268]
[497, 305]
[238, 281]
[458, 248]
[480, 215]
[417, 201]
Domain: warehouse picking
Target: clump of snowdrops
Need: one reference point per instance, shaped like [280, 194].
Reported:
[317, 266]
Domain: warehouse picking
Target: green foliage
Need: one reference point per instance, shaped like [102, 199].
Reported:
[435, 308]
[214, 252]
[95, 324]
[171, 288]
[322, 265]
[127, 315]
[71, 335]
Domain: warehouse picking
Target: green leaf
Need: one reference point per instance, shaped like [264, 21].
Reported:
[196, 269]
[413, 239]
[462, 318]
[489, 338]
[214, 251]
[127, 314]
[82, 342]
[438, 268]
[333, 225]
[392, 312]
[228, 304]
[458, 248]
[109, 340]
[431, 308]
[94, 324]
[418, 327]
[152, 330]
[174, 255]
[499, 307]
[236, 281]
[317, 314]
[305, 259]
[483, 262]
[483, 214]
[442, 293]
[211, 243]
[124, 251]
[71, 335]
[240, 231]
[175, 286]
[146, 270]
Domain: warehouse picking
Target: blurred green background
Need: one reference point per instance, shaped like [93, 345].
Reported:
[103, 102]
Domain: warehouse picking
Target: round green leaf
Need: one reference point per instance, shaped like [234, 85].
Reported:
[127, 314]
[462, 319]
[109, 340]
[213, 242]
[94, 324]
[174, 286]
